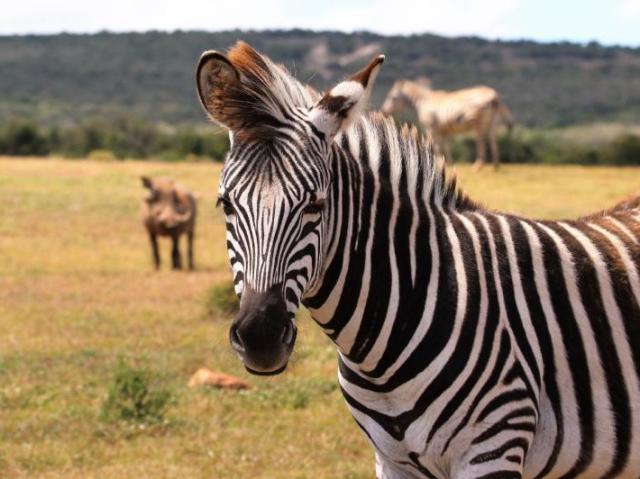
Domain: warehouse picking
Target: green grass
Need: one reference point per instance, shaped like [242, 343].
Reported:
[78, 295]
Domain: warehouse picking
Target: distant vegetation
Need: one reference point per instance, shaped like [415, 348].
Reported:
[134, 138]
[123, 137]
[109, 96]
[553, 147]
[62, 78]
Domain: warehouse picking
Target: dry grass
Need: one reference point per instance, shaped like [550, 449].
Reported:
[77, 293]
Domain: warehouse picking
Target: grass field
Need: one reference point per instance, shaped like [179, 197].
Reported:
[77, 294]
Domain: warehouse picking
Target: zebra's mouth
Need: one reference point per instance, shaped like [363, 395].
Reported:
[266, 373]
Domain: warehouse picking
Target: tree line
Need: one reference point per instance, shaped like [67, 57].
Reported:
[124, 137]
[131, 137]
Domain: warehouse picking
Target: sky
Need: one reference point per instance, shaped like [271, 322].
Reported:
[606, 21]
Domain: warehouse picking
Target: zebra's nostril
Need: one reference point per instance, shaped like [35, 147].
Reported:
[288, 333]
[236, 340]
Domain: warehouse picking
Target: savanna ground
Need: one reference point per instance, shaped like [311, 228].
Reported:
[77, 295]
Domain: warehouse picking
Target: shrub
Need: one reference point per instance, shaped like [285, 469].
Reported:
[23, 138]
[624, 150]
[136, 396]
[221, 300]
[101, 155]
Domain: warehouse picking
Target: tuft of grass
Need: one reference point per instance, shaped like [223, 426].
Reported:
[136, 395]
[221, 300]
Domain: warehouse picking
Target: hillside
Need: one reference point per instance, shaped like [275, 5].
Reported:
[65, 77]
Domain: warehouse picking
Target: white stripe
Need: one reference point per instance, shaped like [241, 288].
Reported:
[504, 319]
[622, 227]
[604, 434]
[520, 298]
[570, 447]
[347, 335]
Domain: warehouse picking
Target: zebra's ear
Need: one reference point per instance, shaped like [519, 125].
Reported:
[344, 102]
[216, 77]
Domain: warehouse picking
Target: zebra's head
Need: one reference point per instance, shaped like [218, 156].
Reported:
[274, 189]
[403, 94]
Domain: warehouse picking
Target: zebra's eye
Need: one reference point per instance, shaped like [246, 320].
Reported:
[227, 207]
[314, 208]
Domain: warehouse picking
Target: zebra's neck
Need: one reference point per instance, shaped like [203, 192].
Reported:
[382, 248]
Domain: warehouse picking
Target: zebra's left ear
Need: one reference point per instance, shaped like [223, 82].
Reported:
[344, 102]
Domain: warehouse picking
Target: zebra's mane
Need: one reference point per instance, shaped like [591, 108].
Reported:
[411, 153]
[268, 91]
[265, 95]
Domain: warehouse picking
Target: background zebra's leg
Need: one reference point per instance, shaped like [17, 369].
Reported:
[480, 148]
[493, 143]
[446, 149]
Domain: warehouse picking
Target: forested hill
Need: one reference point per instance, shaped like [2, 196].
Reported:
[65, 77]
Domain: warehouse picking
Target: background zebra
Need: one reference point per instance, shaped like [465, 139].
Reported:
[477, 109]
[471, 343]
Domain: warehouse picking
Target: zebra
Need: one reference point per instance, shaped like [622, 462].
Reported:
[445, 113]
[470, 343]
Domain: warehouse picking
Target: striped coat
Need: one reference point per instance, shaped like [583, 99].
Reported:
[471, 343]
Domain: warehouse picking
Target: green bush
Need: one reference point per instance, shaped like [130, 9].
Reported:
[23, 138]
[124, 137]
[133, 137]
[540, 146]
[624, 150]
[221, 300]
[101, 155]
[135, 395]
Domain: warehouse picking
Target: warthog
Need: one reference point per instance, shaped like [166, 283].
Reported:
[169, 210]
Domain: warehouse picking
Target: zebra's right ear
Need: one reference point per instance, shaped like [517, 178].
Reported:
[216, 77]
[343, 103]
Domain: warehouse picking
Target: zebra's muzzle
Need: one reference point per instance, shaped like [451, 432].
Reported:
[264, 333]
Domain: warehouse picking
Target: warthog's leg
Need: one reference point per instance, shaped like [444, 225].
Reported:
[154, 249]
[190, 248]
[176, 262]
